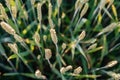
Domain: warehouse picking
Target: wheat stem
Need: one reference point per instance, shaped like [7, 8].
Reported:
[11, 64]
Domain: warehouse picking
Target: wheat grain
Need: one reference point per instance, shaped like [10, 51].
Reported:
[7, 28]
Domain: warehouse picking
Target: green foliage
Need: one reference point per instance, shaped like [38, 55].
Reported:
[76, 34]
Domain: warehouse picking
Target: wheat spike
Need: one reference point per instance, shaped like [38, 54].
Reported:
[84, 1]
[63, 46]
[82, 35]
[12, 7]
[7, 3]
[92, 46]
[7, 28]
[69, 67]
[108, 28]
[115, 76]
[38, 73]
[49, 10]
[53, 36]
[36, 37]
[51, 23]
[43, 77]
[78, 5]
[38, 57]
[49, 15]
[13, 47]
[1, 17]
[63, 70]
[110, 2]
[102, 4]
[18, 38]
[59, 2]
[92, 40]
[32, 2]
[44, 38]
[77, 70]
[3, 13]
[111, 63]
[48, 54]
[39, 11]
[14, 11]
[84, 10]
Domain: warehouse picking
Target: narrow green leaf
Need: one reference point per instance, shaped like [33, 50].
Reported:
[2, 50]
[12, 56]
[23, 54]
[83, 53]
[5, 67]
[30, 75]
[105, 47]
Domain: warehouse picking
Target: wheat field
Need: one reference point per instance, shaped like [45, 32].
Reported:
[59, 40]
